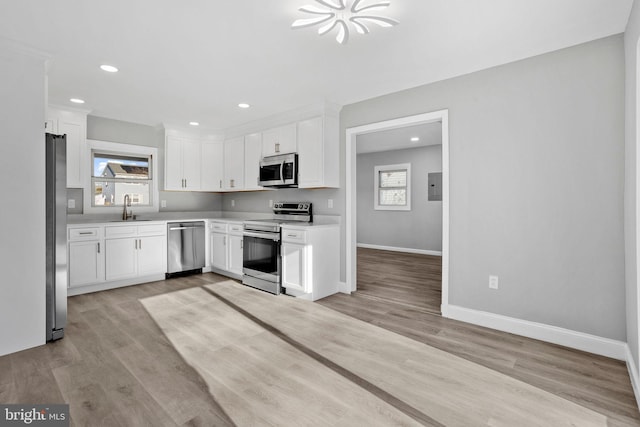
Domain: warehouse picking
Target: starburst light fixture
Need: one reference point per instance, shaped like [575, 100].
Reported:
[338, 14]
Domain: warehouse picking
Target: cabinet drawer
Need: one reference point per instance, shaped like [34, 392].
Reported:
[294, 236]
[236, 228]
[130, 230]
[152, 229]
[219, 226]
[84, 233]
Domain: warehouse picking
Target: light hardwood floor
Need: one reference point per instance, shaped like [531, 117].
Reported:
[595, 382]
[116, 367]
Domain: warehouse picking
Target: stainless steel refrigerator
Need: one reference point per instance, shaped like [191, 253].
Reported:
[56, 200]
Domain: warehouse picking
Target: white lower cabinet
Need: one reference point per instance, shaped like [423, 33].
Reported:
[226, 248]
[309, 258]
[135, 251]
[86, 263]
[85, 256]
[235, 254]
[294, 265]
[219, 250]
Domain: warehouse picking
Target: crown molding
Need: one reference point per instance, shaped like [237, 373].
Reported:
[23, 49]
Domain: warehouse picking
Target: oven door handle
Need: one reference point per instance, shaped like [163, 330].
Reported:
[268, 236]
[282, 171]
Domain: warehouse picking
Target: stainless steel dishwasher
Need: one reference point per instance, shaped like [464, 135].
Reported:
[185, 250]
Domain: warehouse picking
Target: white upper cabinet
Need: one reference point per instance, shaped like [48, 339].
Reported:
[318, 152]
[182, 164]
[252, 155]
[212, 166]
[234, 164]
[74, 125]
[280, 140]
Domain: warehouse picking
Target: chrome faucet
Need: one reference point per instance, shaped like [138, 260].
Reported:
[125, 214]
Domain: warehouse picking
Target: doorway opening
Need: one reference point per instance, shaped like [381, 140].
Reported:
[434, 119]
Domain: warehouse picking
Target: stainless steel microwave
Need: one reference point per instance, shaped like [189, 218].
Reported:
[279, 171]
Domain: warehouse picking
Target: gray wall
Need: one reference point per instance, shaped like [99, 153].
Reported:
[419, 228]
[632, 35]
[103, 129]
[22, 169]
[537, 171]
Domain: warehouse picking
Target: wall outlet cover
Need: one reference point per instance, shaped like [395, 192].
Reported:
[493, 282]
[233, 203]
[71, 203]
[330, 203]
[163, 203]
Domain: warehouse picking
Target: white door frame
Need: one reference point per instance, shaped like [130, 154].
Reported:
[441, 116]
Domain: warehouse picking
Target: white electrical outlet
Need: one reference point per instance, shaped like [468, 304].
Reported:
[330, 203]
[163, 203]
[233, 203]
[270, 203]
[493, 282]
[71, 203]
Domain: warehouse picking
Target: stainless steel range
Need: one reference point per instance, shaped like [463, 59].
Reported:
[261, 263]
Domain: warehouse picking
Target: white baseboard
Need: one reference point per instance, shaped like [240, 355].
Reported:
[540, 331]
[397, 249]
[633, 374]
[114, 284]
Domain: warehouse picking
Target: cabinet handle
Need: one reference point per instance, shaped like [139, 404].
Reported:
[140, 244]
[241, 244]
[224, 241]
[277, 147]
[84, 233]
[232, 183]
[135, 242]
[98, 247]
[292, 235]
[220, 183]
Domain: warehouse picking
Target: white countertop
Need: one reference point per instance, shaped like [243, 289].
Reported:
[233, 217]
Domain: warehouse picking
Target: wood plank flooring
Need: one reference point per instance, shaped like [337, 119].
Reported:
[595, 382]
[362, 374]
[116, 367]
[411, 280]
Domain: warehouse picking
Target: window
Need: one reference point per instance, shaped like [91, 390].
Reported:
[393, 187]
[117, 170]
[115, 176]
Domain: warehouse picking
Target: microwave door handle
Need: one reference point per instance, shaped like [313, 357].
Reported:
[282, 171]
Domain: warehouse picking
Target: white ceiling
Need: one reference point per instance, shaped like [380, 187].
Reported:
[400, 138]
[184, 60]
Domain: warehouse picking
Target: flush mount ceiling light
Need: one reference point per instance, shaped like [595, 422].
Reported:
[77, 100]
[194, 123]
[338, 14]
[244, 105]
[109, 68]
[415, 139]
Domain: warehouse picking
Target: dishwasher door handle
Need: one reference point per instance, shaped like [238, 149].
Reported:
[185, 228]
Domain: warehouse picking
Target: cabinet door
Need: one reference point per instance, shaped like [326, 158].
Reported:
[219, 251]
[235, 254]
[173, 164]
[152, 255]
[75, 150]
[191, 159]
[234, 164]
[252, 156]
[212, 166]
[280, 140]
[310, 155]
[85, 263]
[294, 265]
[121, 258]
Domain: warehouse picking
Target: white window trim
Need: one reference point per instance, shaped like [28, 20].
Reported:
[376, 203]
[140, 150]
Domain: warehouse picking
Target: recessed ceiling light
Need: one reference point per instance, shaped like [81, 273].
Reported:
[194, 123]
[109, 68]
[244, 105]
[415, 139]
[77, 100]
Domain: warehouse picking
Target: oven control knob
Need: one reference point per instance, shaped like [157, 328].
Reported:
[300, 206]
[306, 206]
